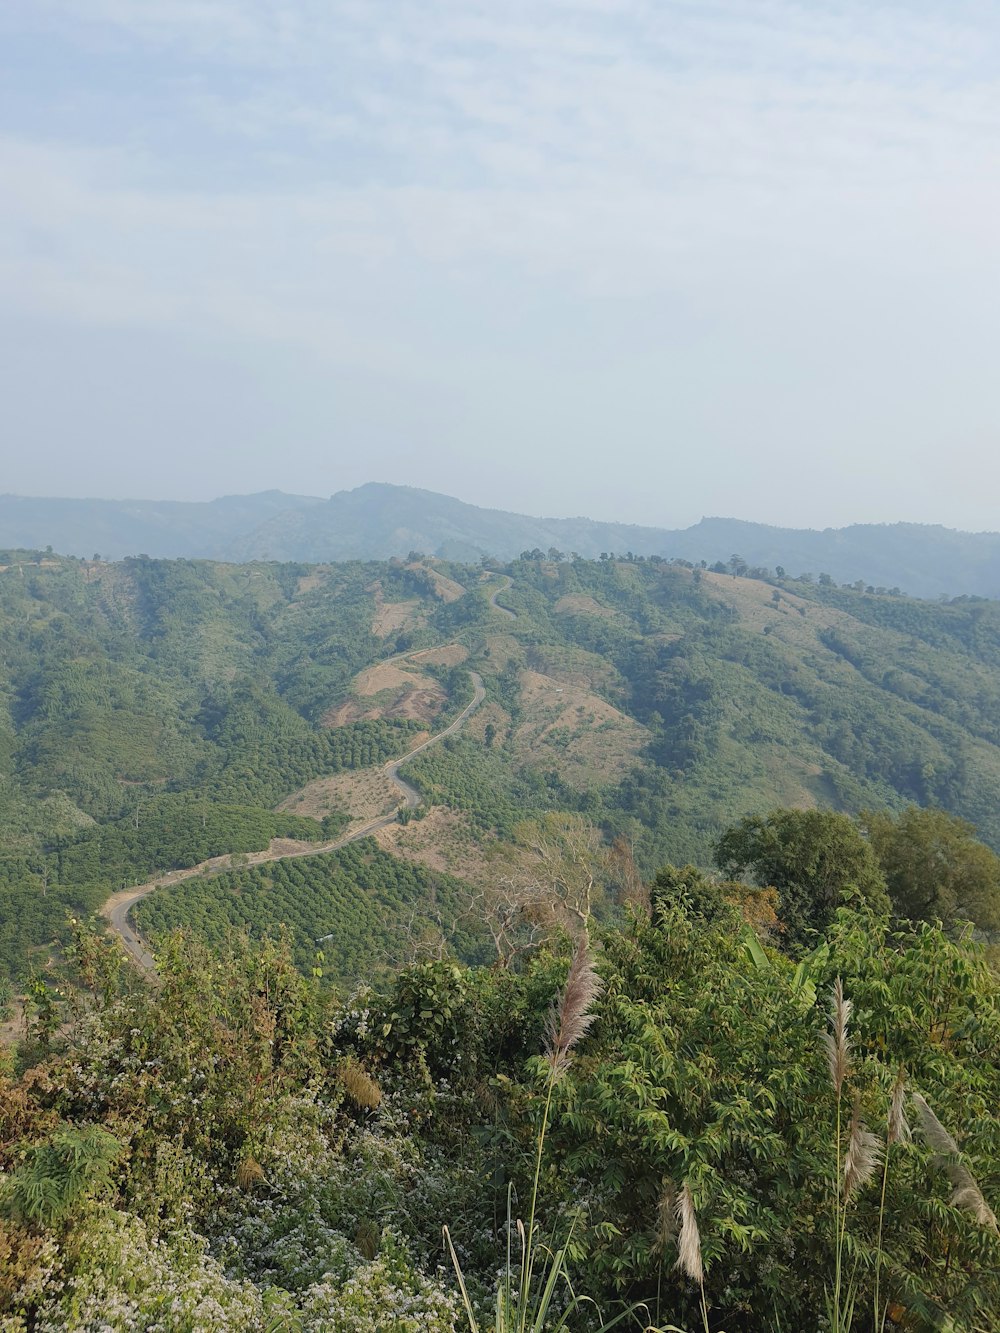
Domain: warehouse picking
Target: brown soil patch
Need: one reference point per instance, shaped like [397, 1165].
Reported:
[570, 728]
[383, 676]
[446, 840]
[282, 847]
[309, 582]
[792, 619]
[393, 691]
[580, 604]
[754, 599]
[411, 704]
[452, 654]
[392, 616]
[443, 840]
[444, 588]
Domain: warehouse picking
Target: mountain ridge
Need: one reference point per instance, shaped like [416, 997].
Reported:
[381, 520]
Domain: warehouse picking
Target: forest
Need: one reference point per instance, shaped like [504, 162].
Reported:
[155, 712]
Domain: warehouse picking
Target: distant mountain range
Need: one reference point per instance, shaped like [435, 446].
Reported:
[377, 521]
[116, 528]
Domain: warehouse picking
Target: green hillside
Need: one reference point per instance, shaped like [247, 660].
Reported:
[760, 1101]
[154, 713]
[353, 913]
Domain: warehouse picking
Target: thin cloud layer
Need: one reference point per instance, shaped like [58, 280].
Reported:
[700, 231]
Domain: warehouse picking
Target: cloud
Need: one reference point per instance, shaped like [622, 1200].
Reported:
[645, 199]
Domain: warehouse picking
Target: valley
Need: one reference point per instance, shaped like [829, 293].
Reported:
[171, 715]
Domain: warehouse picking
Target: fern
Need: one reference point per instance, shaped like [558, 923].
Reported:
[59, 1175]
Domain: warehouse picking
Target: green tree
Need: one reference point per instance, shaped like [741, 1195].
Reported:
[689, 888]
[816, 859]
[59, 1175]
[935, 866]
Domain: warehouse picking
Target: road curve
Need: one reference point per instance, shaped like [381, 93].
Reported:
[502, 610]
[117, 908]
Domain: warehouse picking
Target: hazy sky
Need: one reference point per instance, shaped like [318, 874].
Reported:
[642, 259]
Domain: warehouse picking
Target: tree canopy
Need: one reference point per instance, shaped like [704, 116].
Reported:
[935, 867]
[816, 859]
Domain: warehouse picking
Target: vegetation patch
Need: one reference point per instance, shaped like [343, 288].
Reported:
[389, 690]
[579, 733]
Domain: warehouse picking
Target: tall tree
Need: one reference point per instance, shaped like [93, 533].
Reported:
[935, 866]
[816, 859]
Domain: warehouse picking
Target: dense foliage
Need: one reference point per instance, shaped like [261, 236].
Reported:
[154, 713]
[73, 876]
[236, 1149]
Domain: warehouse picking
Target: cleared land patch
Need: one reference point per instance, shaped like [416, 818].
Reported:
[310, 582]
[569, 727]
[449, 655]
[449, 841]
[578, 603]
[363, 796]
[442, 587]
[389, 690]
[443, 840]
[393, 616]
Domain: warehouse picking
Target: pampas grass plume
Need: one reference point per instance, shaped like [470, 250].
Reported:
[864, 1153]
[570, 1019]
[897, 1128]
[689, 1240]
[837, 1042]
[966, 1194]
[666, 1215]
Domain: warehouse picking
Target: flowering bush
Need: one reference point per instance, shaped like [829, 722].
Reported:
[125, 1280]
[386, 1295]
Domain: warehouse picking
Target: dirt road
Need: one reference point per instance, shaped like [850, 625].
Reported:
[502, 610]
[117, 908]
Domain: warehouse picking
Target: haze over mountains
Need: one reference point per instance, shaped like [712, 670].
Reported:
[379, 520]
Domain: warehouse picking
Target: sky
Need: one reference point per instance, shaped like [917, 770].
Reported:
[643, 260]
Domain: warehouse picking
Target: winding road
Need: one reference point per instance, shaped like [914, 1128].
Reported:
[502, 610]
[117, 908]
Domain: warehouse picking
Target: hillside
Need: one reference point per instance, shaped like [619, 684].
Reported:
[158, 714]
[379, 823]
[379, 521]
[118, 528]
